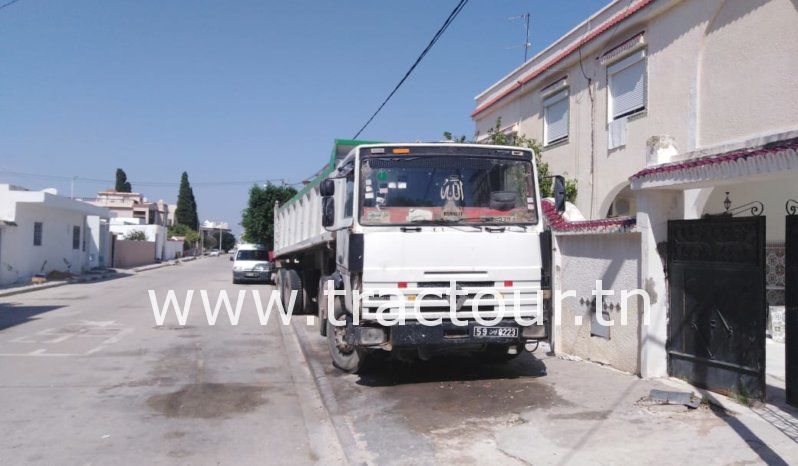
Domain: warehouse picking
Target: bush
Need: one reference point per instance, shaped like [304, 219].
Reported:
[136, 235]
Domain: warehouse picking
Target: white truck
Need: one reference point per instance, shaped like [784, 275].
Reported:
[417, 231]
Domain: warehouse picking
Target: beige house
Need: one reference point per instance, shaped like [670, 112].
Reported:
[679, 121]
[682, 75]
[132, 205]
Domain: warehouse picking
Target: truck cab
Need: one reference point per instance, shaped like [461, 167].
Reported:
[429, 247]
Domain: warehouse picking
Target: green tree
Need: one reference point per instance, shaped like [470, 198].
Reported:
[499, 138]
[190, 236]
[258, 218]
[122, 184]
[136, 235]
[228, 240]
[186, 212]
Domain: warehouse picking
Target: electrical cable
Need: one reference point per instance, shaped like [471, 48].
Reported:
[421, 56]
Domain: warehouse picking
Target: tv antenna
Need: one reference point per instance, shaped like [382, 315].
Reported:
[526, 45]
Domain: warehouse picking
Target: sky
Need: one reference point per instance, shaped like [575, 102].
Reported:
[240, 90]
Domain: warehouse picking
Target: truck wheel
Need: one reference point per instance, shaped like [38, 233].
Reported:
[322, 305]
[346, 357]
[292, 283]
[496, 354]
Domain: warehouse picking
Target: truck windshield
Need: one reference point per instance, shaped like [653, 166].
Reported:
[446, 189]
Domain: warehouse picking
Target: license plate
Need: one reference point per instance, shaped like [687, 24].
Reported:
[497, 332]
[251, 275]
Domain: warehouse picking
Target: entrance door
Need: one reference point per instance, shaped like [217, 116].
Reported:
[791, 307]
[718, 310]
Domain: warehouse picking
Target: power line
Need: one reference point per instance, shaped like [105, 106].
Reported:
[7, 4]
[426, 50]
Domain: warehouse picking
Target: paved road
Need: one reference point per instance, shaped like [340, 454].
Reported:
[88, 378]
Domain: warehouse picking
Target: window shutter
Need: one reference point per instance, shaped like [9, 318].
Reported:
[555, 117]
[627, 85]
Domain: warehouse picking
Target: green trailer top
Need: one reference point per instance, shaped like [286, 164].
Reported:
[341, 148]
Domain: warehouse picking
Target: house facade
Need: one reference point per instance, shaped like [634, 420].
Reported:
[41, 232]
[678, 75]
[133, 205]
[678, 121]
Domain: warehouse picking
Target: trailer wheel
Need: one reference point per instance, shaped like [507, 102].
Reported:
[346, 357]
[292, 283]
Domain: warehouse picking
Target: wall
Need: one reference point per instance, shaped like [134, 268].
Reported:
[772, 194]
[20, 259]
[172, 249]
[155, 233]
[613, 258]
[129, 254]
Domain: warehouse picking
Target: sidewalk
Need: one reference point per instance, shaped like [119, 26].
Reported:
[17, 288]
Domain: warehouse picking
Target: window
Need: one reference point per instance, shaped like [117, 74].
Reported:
[555, 117]
[626, 82]
[37, 233]
[76, 237]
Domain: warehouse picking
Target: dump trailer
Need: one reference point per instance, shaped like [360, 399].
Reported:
[426, 247]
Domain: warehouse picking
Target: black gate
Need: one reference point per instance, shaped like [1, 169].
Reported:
[791, 302]
[718, 311]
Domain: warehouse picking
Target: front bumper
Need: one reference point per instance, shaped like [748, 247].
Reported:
[252, 275]
[447, 334]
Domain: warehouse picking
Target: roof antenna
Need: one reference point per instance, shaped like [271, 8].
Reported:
[526, 45]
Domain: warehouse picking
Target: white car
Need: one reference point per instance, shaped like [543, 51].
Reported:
[214, 253]
[251, 264]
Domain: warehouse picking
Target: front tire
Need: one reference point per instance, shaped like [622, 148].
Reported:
[345, 357]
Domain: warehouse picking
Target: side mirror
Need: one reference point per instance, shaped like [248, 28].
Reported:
[231, 258]
[327, 211]
[327, 187]
[559, 193]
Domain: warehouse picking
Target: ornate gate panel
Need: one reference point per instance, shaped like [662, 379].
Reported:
[791, 302]
[718, 311]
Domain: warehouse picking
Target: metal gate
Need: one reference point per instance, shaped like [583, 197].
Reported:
[718, 310]
[791, 302]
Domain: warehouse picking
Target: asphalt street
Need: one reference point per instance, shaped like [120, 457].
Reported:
[89, 378]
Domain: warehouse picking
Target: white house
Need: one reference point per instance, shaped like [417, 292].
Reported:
[41, 232]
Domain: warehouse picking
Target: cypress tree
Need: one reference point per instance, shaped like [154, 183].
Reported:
[122, 184]
[186, 212]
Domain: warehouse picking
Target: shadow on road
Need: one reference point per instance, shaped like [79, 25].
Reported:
[449, 368]
[12, 314]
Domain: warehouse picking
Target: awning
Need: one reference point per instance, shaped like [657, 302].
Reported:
[778, 158]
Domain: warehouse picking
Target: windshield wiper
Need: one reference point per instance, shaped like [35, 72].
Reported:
[443, 222]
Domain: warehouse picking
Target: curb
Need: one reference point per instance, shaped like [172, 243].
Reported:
[346, 438]
[54, 284]
[327, 443]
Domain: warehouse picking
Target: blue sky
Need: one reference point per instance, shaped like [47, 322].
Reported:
[239, 90]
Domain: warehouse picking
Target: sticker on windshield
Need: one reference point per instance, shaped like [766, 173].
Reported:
[378, 216]
[402, 185]
[391, 185]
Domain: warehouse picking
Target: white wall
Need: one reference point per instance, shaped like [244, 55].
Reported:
[155, 233]
[20, 259]
[615, 259]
